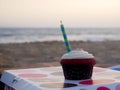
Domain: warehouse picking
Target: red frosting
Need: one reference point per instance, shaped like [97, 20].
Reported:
[88, 61]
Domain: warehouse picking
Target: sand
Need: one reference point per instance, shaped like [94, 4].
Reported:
[44, 54]
[39, 54]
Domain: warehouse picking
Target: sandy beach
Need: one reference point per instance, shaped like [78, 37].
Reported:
[44, 54]
[39, 54]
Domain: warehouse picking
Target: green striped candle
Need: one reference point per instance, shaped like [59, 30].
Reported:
[65, 37]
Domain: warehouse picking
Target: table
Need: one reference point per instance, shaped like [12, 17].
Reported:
[51, 78]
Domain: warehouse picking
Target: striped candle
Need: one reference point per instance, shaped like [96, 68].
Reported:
[65, 37]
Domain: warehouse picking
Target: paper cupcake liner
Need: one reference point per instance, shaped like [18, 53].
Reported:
[77, 72]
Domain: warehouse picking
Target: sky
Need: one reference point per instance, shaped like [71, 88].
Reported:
[48, 13]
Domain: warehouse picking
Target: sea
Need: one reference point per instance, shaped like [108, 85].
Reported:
[23, 35]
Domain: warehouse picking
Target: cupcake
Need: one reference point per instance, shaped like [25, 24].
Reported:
[77, 65]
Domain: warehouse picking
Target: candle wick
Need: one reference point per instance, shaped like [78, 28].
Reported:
[61, 21]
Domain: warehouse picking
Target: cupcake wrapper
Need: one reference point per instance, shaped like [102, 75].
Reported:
[77, 72]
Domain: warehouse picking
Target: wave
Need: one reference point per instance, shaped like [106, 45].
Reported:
[21, 35]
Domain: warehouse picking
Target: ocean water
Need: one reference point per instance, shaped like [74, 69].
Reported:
[21, 35]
